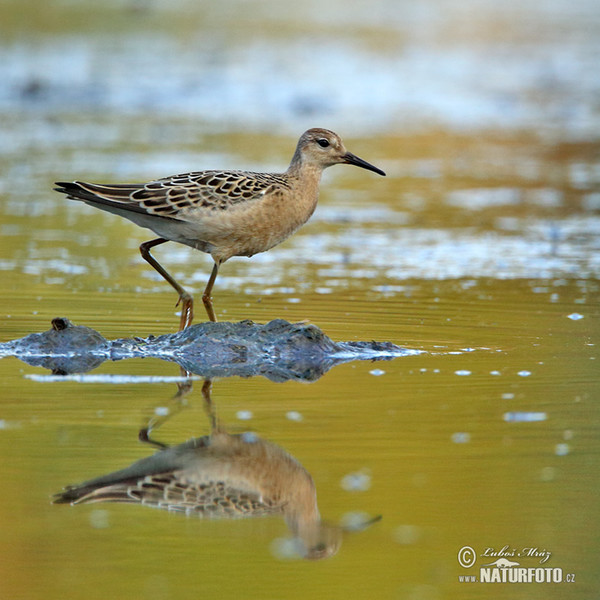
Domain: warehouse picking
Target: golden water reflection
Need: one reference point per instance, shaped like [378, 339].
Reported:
[219, 476]
[484, 448]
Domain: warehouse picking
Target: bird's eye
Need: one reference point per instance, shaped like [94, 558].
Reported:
[323, 143]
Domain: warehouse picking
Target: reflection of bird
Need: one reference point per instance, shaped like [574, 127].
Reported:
[220, 476]
[223, 213]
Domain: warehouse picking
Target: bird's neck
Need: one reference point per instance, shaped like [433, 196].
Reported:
[305, 176]
[303, 521]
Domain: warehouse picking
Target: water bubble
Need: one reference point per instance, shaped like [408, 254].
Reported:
[356, 520]
[294, 415]
[575, 316]
[356, 482]
[377, 372]
[99, 518]
[285, 549]
[249, 437]
[524, 417]
[407, 534]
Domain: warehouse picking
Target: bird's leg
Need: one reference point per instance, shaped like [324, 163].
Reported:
[185, 298]
[206, 298]
[184, 387]
[209, 407]
[144, 437]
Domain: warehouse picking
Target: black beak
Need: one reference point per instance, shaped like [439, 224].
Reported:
[351, 159]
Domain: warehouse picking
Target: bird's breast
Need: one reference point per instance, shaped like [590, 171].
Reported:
[245, 230]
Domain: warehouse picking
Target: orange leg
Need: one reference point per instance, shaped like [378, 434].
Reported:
[185, 298]
[206, 298]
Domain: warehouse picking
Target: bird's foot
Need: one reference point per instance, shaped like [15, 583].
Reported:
[187, 310]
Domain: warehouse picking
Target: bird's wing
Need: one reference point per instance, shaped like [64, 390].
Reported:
[184, 478]
[210, 497]
[173, 197]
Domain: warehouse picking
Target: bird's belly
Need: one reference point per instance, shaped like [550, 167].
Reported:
[248, 232]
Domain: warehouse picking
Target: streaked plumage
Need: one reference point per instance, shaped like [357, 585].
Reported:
[223, 213]
[220, 476]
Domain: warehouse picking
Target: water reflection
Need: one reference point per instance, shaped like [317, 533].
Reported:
[219, 476]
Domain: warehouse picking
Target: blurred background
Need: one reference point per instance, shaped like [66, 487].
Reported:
[481, 247]
[382, 68]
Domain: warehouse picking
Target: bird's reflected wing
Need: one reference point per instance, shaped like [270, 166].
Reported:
[208, 497]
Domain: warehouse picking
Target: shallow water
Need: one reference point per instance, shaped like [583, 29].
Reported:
[481, 248]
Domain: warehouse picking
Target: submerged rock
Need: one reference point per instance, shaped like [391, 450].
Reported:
[64, 348]
[278, 350]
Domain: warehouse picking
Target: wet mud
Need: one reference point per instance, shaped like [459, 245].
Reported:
[277, 350]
